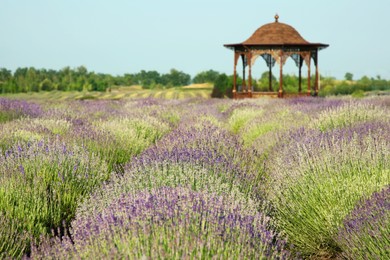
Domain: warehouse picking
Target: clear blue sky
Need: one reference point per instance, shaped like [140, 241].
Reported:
[126, 36]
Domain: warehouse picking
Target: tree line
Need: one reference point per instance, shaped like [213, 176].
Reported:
[80, 79]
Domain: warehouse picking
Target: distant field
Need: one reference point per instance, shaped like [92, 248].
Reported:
[190, 91]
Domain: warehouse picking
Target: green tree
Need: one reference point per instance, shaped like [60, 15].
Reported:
[348, 76]
[46, 85]
[148, 79]
[222, 86]
[176, 78]
[263, 83]
[5, 80]
[209, 76]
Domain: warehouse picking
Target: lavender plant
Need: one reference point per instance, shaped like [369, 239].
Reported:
[365, 233]
[41, 184]
[313, 106]
[349, 114]
[13, 242]
[12, 109]
[172, 223]
[190, 156]
[317, 178]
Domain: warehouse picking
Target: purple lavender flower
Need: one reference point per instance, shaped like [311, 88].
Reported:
[21, 168]
[17, 108]
[366, 230]
[40, 189]
[189, 223]
[201, 144]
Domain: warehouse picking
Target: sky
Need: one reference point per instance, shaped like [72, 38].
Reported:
[127, 36]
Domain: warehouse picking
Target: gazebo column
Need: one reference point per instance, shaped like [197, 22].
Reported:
[243, 73]
[308, 79]
[236, 57]
[280, 92]
[317, 73]
[270, 73]
[300, 74]
[249, 62]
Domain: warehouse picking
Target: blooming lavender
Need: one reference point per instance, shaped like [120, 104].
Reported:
[349, 114]
[316, 178]
[10, 109]
[171, 223]
[190, 156]
[154, 178]
[314, 105]
[42, 182]
[12, 241]
[365, 233]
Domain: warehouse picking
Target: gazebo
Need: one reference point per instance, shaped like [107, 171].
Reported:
[275, 43]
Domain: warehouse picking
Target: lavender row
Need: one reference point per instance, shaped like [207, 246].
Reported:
[11, 109]
[41, 184]
[365, 233]
[172, 223]
[51, 161]
[316, 178]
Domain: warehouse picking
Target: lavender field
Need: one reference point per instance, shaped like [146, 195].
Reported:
[195, 179]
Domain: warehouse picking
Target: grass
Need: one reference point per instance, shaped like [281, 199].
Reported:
[191, 91]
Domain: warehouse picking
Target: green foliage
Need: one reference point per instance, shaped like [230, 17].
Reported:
[13, 242]
[348, 115]
[349, 87]
[358, 93]
[126, 138]
[317, 180]
[348, 76]
[6, 116]
[153, 79]
[41, 184]
[209, 76]
[263, 82]
[80, 79]
[66, 79]
[240, 117]
[176, 78]
[222, 87]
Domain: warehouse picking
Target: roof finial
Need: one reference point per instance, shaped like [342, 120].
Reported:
[276, 18]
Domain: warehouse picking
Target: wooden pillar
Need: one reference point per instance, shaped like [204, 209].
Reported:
[300, 74]
[280, 92]
[270, 73]
[317, 74]
[243, 73]
[236, 56]
[308, 79]
[249, 62]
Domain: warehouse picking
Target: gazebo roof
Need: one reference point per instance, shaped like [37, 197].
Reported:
[276, 34]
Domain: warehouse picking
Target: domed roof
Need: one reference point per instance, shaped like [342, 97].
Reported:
[275, 33]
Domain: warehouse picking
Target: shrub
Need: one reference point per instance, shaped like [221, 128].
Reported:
[221, 87]
[41, 184]
[13, 242]
[317, 178]
[190, 156]
[358, 93]
[172, 223]
[242, 116]
[125, 138]
[348, 115]
[12, 109]
[366, 230]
